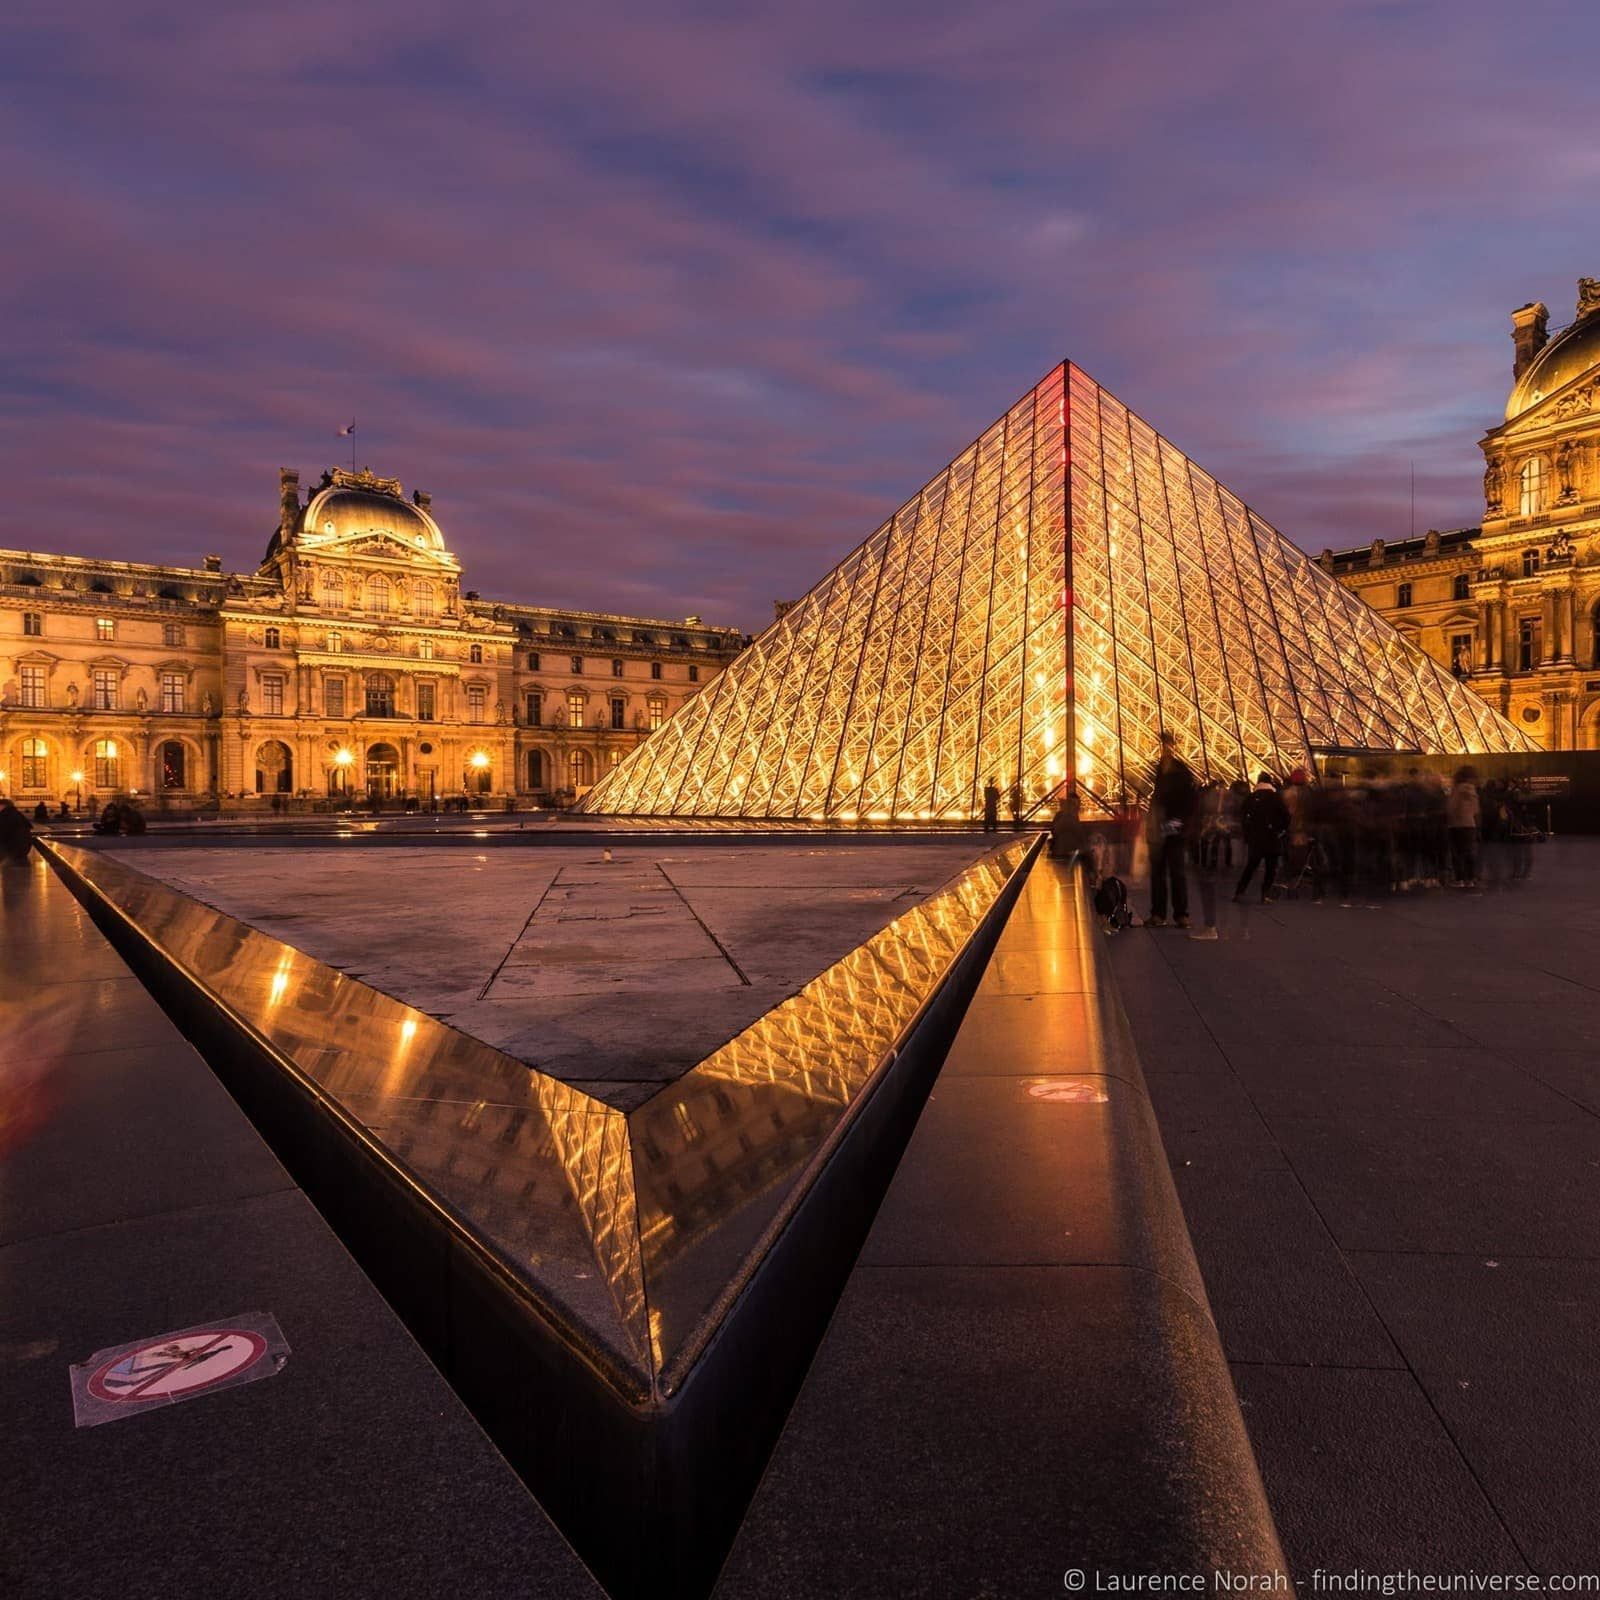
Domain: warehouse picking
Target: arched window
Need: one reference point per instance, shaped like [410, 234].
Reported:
[274, 768]
[35, 764]
[422, 598]
[107, 766]
[378, 592]
[1532, 481]
[580, 770]
[380, 694]
[332, 587]
[538, 770]
[172, 765]
[1461, 589]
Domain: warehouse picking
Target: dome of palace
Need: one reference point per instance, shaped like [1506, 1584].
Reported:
[359, 503]
[1573, 352]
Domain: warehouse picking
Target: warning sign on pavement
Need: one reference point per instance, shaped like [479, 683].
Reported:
[170, 1367]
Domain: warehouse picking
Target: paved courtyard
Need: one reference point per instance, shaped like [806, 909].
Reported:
[629, 969]
[1384, 1124]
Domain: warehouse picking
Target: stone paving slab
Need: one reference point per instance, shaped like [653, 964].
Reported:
[1364, 1107]
[136, 1199]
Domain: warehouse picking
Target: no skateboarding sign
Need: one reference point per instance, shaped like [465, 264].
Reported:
[170, 1367]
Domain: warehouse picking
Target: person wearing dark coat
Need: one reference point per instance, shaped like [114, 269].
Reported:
[991, 807]
[1173, 802]
[41, 812]
[16, 833]
[1264, 821]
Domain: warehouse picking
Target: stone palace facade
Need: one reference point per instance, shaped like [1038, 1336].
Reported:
[1513, 606]
[349, 665]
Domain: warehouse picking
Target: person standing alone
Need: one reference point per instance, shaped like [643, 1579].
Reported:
[991, 807]
[1172, 808]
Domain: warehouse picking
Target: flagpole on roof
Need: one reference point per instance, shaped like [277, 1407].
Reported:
[350, 434]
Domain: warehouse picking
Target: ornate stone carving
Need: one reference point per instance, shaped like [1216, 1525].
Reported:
[1493, 486]
[1588, 296]
[1560, 547]
[1375, 554]
[1575, 404]
[367, 479]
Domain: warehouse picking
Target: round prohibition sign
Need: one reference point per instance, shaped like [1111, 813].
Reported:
[167, 1368]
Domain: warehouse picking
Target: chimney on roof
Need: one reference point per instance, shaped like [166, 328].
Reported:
[1529, 334]
[213, 563]
[422, 499]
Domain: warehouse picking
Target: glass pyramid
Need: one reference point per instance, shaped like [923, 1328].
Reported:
[1070, 583]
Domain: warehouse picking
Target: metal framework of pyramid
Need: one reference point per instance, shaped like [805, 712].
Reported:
[1070, 585]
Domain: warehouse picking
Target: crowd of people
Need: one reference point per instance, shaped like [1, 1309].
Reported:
[1383, 833]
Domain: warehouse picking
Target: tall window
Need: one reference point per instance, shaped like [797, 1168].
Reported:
[272, 694]
[535, 710]
[105, 630]
[616, 669]
[107, 769]
[1461, 654]
[615, 758]
[33, 623]
[694, 669]
[425, 649]
[172, 635]
[475, 702]
[618, 707]
[34, 764]
[172, 765]
[580, 769]
[1532, 483]
[333, 697]
[332, 587]
[1461, 589]
[422, 599]
[575, 710]
[1530, 563]
[380, 695]
[1530, 638]
[32, 687]
[426, 700]
[533, 661]
[536, 769]
[172, 693]
[103, 688]
[378, 592]
[1402, 597]
[274, 639]
[658, 711]
[335, 643]
[655, 670]
[577, 666]
[475, 654]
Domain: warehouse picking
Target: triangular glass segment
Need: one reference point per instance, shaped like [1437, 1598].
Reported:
[1071, 582]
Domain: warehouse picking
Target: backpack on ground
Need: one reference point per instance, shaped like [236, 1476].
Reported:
[1111, 902]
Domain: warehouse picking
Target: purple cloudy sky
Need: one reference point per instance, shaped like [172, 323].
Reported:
[670, 304]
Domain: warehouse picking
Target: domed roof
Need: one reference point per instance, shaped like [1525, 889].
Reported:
[362, 503]
[1573, 351]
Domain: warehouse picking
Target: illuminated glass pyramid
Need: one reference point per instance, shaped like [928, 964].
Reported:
[1069, 583]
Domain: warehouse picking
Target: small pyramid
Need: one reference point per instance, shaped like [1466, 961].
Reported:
[1067, 588]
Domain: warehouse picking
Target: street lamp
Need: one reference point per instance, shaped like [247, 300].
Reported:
[343, 759]
[77, 792]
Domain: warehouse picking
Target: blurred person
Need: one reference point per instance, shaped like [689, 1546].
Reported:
[16, 833]
[991, 807]
[1462, 814]
[1172, 810]
[1265, 823]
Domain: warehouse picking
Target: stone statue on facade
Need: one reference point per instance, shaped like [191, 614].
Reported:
[1561, 547]
[1588, 296]
[244, 701]
[499, 711]
[1493, 485]
[142, 700]
[1567, 469]
[208, 706]
[72, 697]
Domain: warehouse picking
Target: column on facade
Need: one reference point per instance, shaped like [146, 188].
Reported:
[1508, 643]
[1569, 632]
[1547, 627]
[1484, 657]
